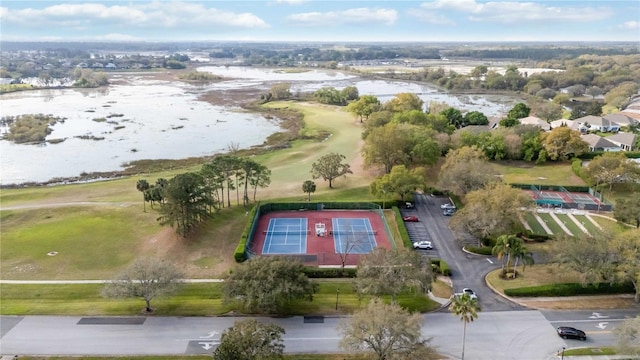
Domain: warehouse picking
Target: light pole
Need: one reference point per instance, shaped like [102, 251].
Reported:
[337, 294]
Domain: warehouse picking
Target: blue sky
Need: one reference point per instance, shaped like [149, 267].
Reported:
[329, 20]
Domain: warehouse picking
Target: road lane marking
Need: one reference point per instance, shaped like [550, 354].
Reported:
[582, 321]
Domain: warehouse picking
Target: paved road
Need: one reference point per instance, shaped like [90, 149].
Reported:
[497, 335]
[467, 270]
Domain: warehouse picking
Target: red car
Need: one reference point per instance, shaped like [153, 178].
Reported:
[411, 218]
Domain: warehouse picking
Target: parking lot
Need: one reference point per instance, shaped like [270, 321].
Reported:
[428, 210]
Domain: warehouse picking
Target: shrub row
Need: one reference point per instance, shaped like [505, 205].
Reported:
[480, 250]
[440, 267]
[240, 254]
[322, 273]
[593, 154]
[528, 235]
[571, 289]
[402, 229]
[576, 166]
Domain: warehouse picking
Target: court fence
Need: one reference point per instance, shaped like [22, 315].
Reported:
[546, 196]
[243, 250]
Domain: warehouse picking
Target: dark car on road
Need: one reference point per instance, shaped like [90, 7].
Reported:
[411, 218]
[567, 332]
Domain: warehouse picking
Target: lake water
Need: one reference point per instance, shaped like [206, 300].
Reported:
[150, 119]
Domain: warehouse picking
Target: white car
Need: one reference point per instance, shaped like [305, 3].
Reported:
[471, 293]
[423, 245]
[447, 206]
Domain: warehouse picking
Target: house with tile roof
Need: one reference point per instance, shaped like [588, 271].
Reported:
[625, 140]
[599, 143]
[621, 119]
[598, 123]
[536, 121]
[571, 124]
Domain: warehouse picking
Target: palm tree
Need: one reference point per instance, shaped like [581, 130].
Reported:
[520, 252]
[142, 186]
[503, 249]
[467, 309]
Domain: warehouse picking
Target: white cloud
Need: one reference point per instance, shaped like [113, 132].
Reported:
[350, 16]
[430, 17]
[514, 12]
[630, 25]
[158, 14]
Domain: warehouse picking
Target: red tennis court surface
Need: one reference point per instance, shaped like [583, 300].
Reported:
[321, 249]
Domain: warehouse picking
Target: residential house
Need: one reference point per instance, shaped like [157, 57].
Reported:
[599, 143]
[571, 124]
[625, 140]
[598, 123]
[621, 119]
[536, 121]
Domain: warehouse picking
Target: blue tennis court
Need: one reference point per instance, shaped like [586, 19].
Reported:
[286, 236]
[353, 235]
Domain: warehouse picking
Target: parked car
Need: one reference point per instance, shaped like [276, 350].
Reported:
[471, 293]
[467, 291]
[423, 245]
[448, 212]
[447, 206]
[408, 205]
[567, 332]
[411, 218]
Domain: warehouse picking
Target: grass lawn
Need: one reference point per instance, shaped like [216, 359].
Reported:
[193, 299]
[536, 228]
[520, 172]
[570, 224]
[200, 357]
[590, 351]
[533, 276]
[587, 224]
[95, 241]
[551, 223]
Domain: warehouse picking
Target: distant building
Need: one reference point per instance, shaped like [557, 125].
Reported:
[536, 121]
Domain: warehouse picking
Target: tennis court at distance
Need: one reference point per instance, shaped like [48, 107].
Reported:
[353, 235]
[286, 236]
[289, 236]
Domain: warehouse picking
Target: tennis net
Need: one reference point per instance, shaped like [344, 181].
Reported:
[285, 232]
[354, 233]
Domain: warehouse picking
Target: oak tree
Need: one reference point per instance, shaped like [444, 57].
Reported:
[562, 143]
[249, 340]
[627, 335]
[386, 331]
[492, 210]
[364, 106]
[146, 278]
[268, 284]
[388, 272]
[464, 170]
[330, 167]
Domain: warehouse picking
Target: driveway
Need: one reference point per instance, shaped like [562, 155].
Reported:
[467, 270]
